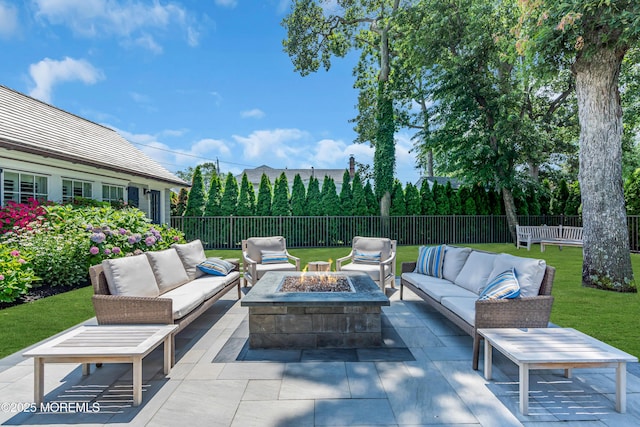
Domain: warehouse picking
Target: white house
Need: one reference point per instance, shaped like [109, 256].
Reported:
[50, 154]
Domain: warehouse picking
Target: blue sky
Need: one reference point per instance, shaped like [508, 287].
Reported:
[188, 81]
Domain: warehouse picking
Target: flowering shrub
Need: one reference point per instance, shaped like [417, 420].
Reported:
[17, 216]
[16, 274]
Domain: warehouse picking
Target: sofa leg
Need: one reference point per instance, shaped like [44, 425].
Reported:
[476, 351]
[401, 289]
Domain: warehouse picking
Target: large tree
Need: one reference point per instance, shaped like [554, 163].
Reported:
[214, 196]
[596, 35]
[196, 199]
[246, 198]
[229, 200]
[263, 205]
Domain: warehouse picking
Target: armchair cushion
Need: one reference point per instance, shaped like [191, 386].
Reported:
[167, 268]
[363, 257]
[191, 254]
[255, 246]
[273, 257]
[373, 270]
[130, 276]
[373, 244]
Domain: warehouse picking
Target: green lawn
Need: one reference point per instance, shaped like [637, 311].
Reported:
[608, 316]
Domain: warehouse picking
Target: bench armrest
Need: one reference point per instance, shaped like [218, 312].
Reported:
[118, 309]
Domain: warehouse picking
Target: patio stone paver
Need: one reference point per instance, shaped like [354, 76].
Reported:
[422, 377]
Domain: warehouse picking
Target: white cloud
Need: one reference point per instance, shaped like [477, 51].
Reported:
[139, 97]
[146, 41]
[255, 113]
[8, 19]
[226, 3]
[282, 143]
[91, 18]
[48, 73]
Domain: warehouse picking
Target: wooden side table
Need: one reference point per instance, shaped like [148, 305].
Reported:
[319, 266]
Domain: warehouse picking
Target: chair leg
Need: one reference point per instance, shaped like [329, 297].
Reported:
[401, 290]
[476, 351]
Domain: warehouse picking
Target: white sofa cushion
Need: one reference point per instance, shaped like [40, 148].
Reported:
[454, 259]
[373, 270]
[436, 288]
[529, 272]
[191, 254]
[464, 307]
[210, 285]
[185, 299]
[130, 276]
[476, 271]
[168, 269]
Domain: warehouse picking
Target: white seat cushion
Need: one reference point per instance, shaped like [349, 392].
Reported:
[261, 269]
[185, 299]
[191, 254]
[168, 269]
[529, 272]
[437, 288]
[373, 270]
[475, 272]
[454, 259]
[130, 276]
[211, 285]
[464, 307]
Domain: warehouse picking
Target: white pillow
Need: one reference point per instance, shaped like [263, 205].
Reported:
[529, 272]
[191, 254]
[476, 271]
[130, 276]
[454, 259]
[168, 269]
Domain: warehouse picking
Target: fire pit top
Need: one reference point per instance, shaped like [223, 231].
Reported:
[322, 282]
[266, 291]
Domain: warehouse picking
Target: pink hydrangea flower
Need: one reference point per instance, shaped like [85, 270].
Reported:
[1, 276]
[15, 253]
[21, 261]
[150, 241]
[116, 250]
[94, 250]
[107, 251]
[176, 238]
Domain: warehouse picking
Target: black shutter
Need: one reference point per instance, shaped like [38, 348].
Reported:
[133, 195]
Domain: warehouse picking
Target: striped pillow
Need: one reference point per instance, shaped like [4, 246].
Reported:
[216, 266]
[504, 285]
[430, 260]
[362, 257]
[273, 257]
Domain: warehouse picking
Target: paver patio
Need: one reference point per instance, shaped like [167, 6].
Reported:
[210, 385]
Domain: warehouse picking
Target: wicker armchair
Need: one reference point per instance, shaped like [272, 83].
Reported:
[255, 262]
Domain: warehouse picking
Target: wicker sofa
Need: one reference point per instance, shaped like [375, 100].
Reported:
[162, 287]
[465, 273]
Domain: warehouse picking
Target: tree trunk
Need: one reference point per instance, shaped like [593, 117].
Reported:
[510, 211]
[606, 253]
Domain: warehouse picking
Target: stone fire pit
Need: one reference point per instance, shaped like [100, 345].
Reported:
[286, 311]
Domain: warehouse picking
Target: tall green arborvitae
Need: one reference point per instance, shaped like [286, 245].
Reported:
[330, 199]
[398, 203]
[263, 205]
[373, 206]
[359, 201]
[533, 200]
[298, 197]
[440, 198]
[482, 200]
[314, 198]
[245, 198]
[214, 197]
[454, 199]
[229, 201]
[427, 204]
[412, 199]
[559, 198]
[280, 205]
[196, 201]
[495, 202]
[181, 204]
[346, 196]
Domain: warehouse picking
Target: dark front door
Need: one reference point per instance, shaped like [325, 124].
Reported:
[155, 206]
[133, 196]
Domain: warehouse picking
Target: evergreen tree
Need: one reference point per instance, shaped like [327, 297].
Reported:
[196, 201]
[545, 197]
[212, 208]
[467, 202]
[573, 201]
[373, 207]
[398, 202]
[481, 198]
[346, 198]
[298, 197]
[330, 199]
[181, 203]
[533, 200]
[229, 200]
[454, 199]
[520, 199]
[559, 198]
[280, 205]
[314, 198]
[632, 193]
[495, 202]
[440, 199]
[263, 205]
[412, 199]
[427, 204]
[245, 198]
[358, 197]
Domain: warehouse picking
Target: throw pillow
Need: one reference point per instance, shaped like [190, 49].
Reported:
[430, 260]
[272, 257]
[364, 257]
[503, 286]
[216, 266]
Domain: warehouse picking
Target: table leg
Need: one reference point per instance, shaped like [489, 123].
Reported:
[488, 359]
[137, 381]
[524, 389]
[38, 380]
[86, 369]
[621, 387]
[167, 354]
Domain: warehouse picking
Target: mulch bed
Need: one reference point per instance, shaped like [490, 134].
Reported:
[42, 291]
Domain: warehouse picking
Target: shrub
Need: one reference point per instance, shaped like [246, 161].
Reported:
[17, 216]
[16, 274]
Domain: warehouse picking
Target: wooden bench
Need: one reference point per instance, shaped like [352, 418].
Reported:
[548, 235]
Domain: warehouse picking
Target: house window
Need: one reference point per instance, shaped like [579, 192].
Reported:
[112, 193]
[20, 187]
[72, 189]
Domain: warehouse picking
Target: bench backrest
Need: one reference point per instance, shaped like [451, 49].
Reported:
[571, 233]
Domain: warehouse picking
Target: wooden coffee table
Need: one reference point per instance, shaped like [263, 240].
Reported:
[555, 348]
[103, 344]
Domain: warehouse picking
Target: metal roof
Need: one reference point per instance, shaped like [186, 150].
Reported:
[30, 125]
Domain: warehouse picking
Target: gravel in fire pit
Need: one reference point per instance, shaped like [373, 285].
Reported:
[315, 284]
